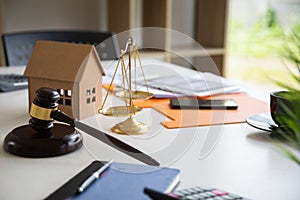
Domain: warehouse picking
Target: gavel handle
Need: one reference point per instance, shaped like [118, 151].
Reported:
[106, 138]
[62, 117]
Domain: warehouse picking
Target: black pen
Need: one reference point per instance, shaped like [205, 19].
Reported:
[155, 195]
[93, 177]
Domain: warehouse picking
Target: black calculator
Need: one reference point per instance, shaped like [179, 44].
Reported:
[11, 82]
[194, 193]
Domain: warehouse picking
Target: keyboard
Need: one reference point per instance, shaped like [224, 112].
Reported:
[11, 82]
[195, 193]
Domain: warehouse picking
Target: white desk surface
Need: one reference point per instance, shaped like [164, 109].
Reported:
[239, 158]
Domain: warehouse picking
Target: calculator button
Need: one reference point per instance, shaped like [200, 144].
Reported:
[219, 192]
[191, 191]
[226, 197]
[186, 192]
[174, 195]
[234, 196]
[218, 198]
[206, 195]
[199, 196]
[191, 198]
[207, 188]
[198, 189]
[179, 194]
[211, 194]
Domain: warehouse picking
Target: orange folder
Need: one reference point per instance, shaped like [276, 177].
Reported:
[188, 118]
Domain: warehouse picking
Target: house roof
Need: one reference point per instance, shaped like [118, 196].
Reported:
[59, 60]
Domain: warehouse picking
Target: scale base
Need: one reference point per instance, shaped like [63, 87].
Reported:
[130, 127]
[27, 142]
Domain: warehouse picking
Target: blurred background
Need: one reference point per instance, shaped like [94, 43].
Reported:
[256, 40]
[244, 38]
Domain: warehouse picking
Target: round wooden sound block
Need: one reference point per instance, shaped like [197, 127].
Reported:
[27, 142]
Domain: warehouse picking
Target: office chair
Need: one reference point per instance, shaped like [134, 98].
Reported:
[18, 46]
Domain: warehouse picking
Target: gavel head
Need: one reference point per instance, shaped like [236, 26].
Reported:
[42, 137]
[44, 103]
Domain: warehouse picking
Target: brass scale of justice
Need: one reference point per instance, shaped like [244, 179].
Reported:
[130, 126]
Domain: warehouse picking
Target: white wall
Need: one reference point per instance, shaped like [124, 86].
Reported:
[22, 15]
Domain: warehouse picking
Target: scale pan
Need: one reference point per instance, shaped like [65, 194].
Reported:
[135, 94]
[120, 111]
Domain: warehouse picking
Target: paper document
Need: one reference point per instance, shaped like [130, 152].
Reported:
[173, 86]
[167, 81]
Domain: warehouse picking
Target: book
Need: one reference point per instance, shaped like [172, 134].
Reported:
[120, 181]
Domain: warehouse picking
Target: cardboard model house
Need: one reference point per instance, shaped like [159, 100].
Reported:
[74, 70]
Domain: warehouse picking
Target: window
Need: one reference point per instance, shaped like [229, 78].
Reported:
[68, 102]
[91, 95]
[65, 97]
[60, 101]
[60, 92]
[68, 93]
[88, 92]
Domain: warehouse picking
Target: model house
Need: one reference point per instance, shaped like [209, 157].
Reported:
[74, 70]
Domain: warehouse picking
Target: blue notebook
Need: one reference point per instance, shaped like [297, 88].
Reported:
[122, 181]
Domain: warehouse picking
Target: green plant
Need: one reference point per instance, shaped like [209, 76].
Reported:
[291, 131]
[259, 40]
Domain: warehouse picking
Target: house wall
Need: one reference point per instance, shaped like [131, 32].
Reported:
[36, 83]
[90, 87]
[76, 100]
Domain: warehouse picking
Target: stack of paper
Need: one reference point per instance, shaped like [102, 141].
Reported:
[166, 80]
